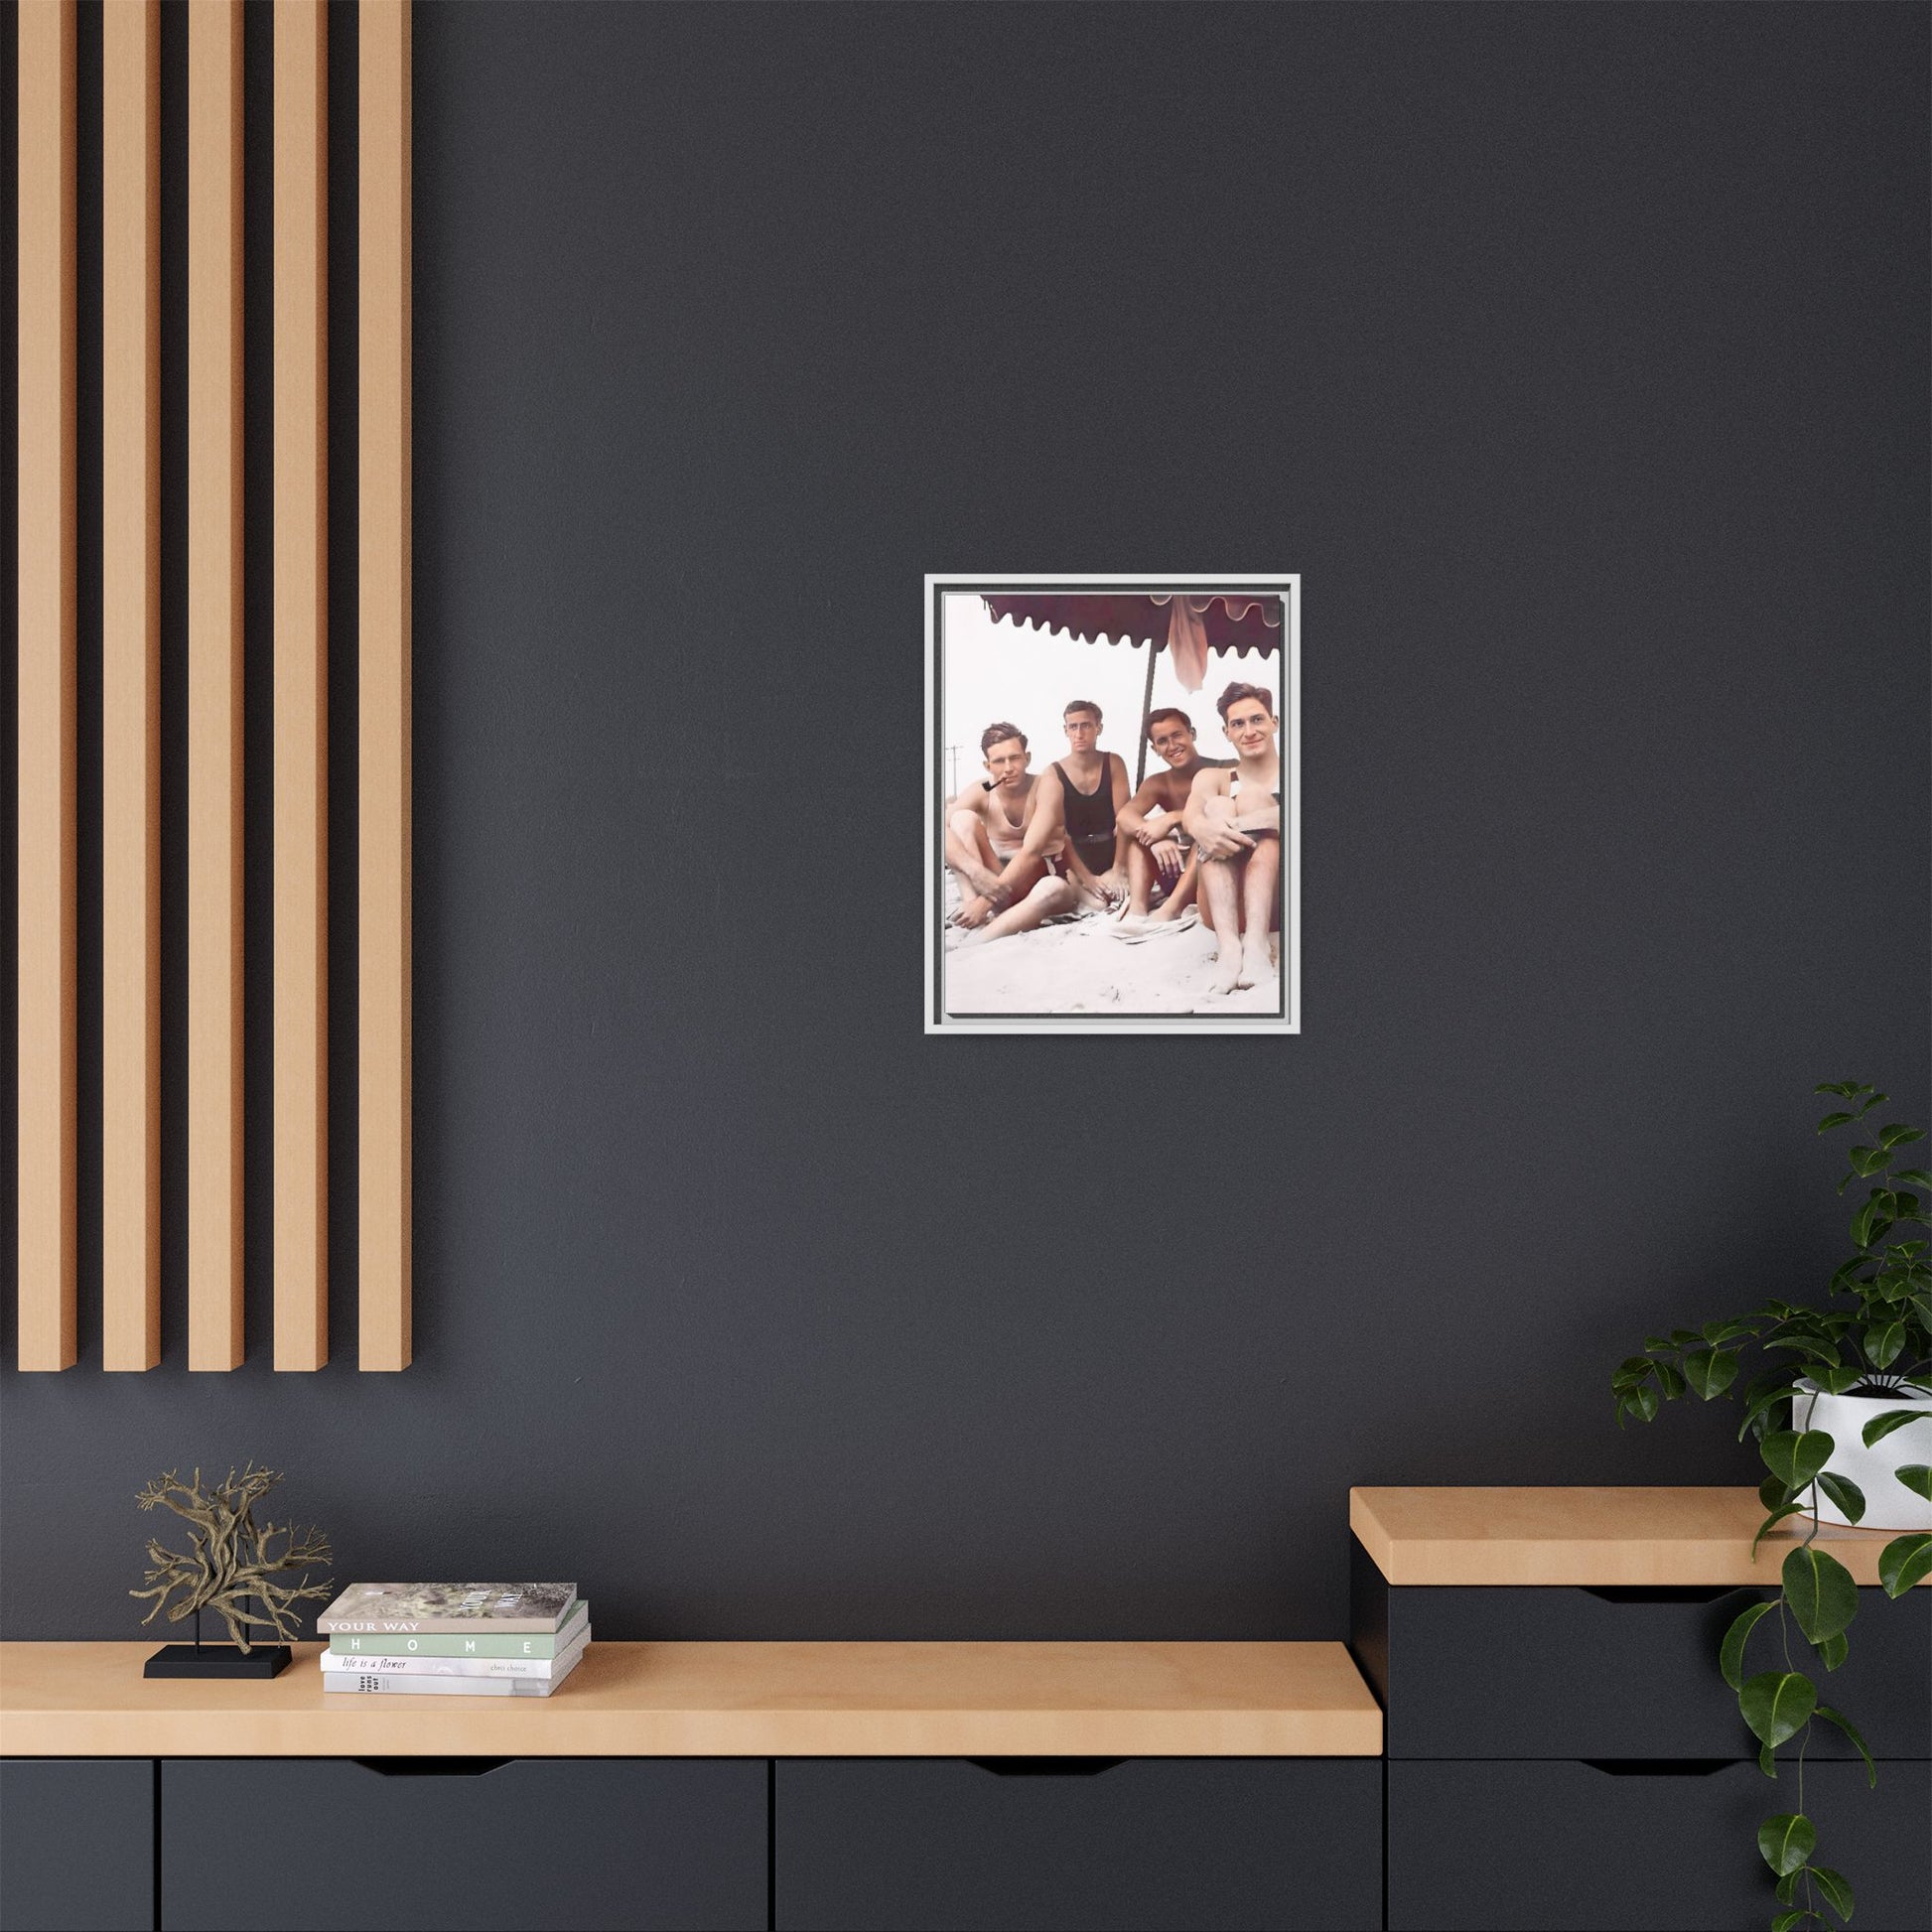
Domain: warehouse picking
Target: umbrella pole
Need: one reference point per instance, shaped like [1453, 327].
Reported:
[1146, 705]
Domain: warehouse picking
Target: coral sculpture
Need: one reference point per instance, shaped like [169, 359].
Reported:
[229, 1558]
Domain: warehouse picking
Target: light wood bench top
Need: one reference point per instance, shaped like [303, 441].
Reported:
[1595, 1538]
[726, 1700]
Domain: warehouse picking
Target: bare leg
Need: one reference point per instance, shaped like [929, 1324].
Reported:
[1264, 870]
[1141, 875]
[970, 853]
[1048, 898]
[1180, 895]
[1221, 907]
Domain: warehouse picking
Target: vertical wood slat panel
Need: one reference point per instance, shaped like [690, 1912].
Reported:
[132, 684]
[301, 686]
[46, 943]
[215, 671]
[383, 672]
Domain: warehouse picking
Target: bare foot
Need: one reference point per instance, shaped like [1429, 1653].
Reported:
[1227, 967]
[1256, 966]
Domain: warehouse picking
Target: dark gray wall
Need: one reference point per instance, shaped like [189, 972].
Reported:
[1576, 357]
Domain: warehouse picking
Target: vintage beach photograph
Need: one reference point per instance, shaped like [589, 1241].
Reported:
[1113, 804]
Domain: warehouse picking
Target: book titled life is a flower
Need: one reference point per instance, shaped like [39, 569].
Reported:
[449, 1609]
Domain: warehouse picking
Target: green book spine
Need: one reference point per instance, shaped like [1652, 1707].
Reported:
[483, 1644]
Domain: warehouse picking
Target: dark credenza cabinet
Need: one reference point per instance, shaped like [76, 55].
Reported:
[1570, 1759]
[1641, 1847]
[943, 1846]
[76, 1844]
[317, 1844]
[291, 1844]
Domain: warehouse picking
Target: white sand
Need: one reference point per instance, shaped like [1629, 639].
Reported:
[1081, 967]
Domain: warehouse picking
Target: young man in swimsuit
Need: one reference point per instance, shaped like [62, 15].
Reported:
[1235, 820]
[1077, 812]
[1004, 889]
[1158, 850]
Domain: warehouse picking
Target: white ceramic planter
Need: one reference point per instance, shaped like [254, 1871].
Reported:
[1889, 1504]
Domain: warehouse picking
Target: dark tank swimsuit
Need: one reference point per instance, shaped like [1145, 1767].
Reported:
[1089, 818]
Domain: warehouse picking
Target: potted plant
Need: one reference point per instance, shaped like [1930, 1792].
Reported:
[1843, 1417]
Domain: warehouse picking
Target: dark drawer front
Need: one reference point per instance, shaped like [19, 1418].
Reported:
[1576, 1673]
[329, 1843]
[76, 1844]
[1243, 1843]
[1571, 1848]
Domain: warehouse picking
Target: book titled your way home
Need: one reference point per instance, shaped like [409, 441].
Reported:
[419, 1610]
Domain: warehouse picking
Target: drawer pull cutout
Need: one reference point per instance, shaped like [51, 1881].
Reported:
[1046, 1767]
[1661, 1767]
[1663, 1592]
[431, 1767]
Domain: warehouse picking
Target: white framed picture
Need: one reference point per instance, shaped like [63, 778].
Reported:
[1113, 804]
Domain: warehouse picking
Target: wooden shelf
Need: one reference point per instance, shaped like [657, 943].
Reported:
[727, 1699]
[1593, 1538]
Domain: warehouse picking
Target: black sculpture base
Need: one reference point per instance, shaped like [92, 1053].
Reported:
[218, 1660]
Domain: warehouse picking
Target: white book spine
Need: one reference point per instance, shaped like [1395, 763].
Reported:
[402, 1684]
[335, 1662]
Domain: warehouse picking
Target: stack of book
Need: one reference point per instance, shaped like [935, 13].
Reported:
[453, 1640]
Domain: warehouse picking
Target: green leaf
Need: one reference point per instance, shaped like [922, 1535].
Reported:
[1671, 1378]
[1730, 1657]
[1834, 1651]
[1842, 1087]
[1914, 1176]
[1829, 1121]
[1917, 1477]
[1871, 1220]
[1898, 1134]
[1765, 1399]
[1845, 1493]
[1869, 1160]
[1796, 1456]
[1773, 1493]
[1789, 1921]
[1838, 1894]
[1786, 1886]
[1846, 1724]
[1880, 1426]
[1820, 1590]
[1878, 1100]
[1903, 1561]
[1771, 1522]
[1847, 1273]
[1710, 1371]
[1820, 1350]
[1766, 1761]
[1787, 1841]
[1777, 1703]
[1720, 1333]
[1835, 1381]
[1641, 1403]
[1882, 1341]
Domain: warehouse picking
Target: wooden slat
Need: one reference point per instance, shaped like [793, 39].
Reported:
[382, 711]
[301, 686]
[214, 665]
[730, 1699]
[45, 948]
[130, 841]
[1590, 1539]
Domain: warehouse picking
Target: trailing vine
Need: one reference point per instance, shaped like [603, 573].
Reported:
[1882, 1348]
